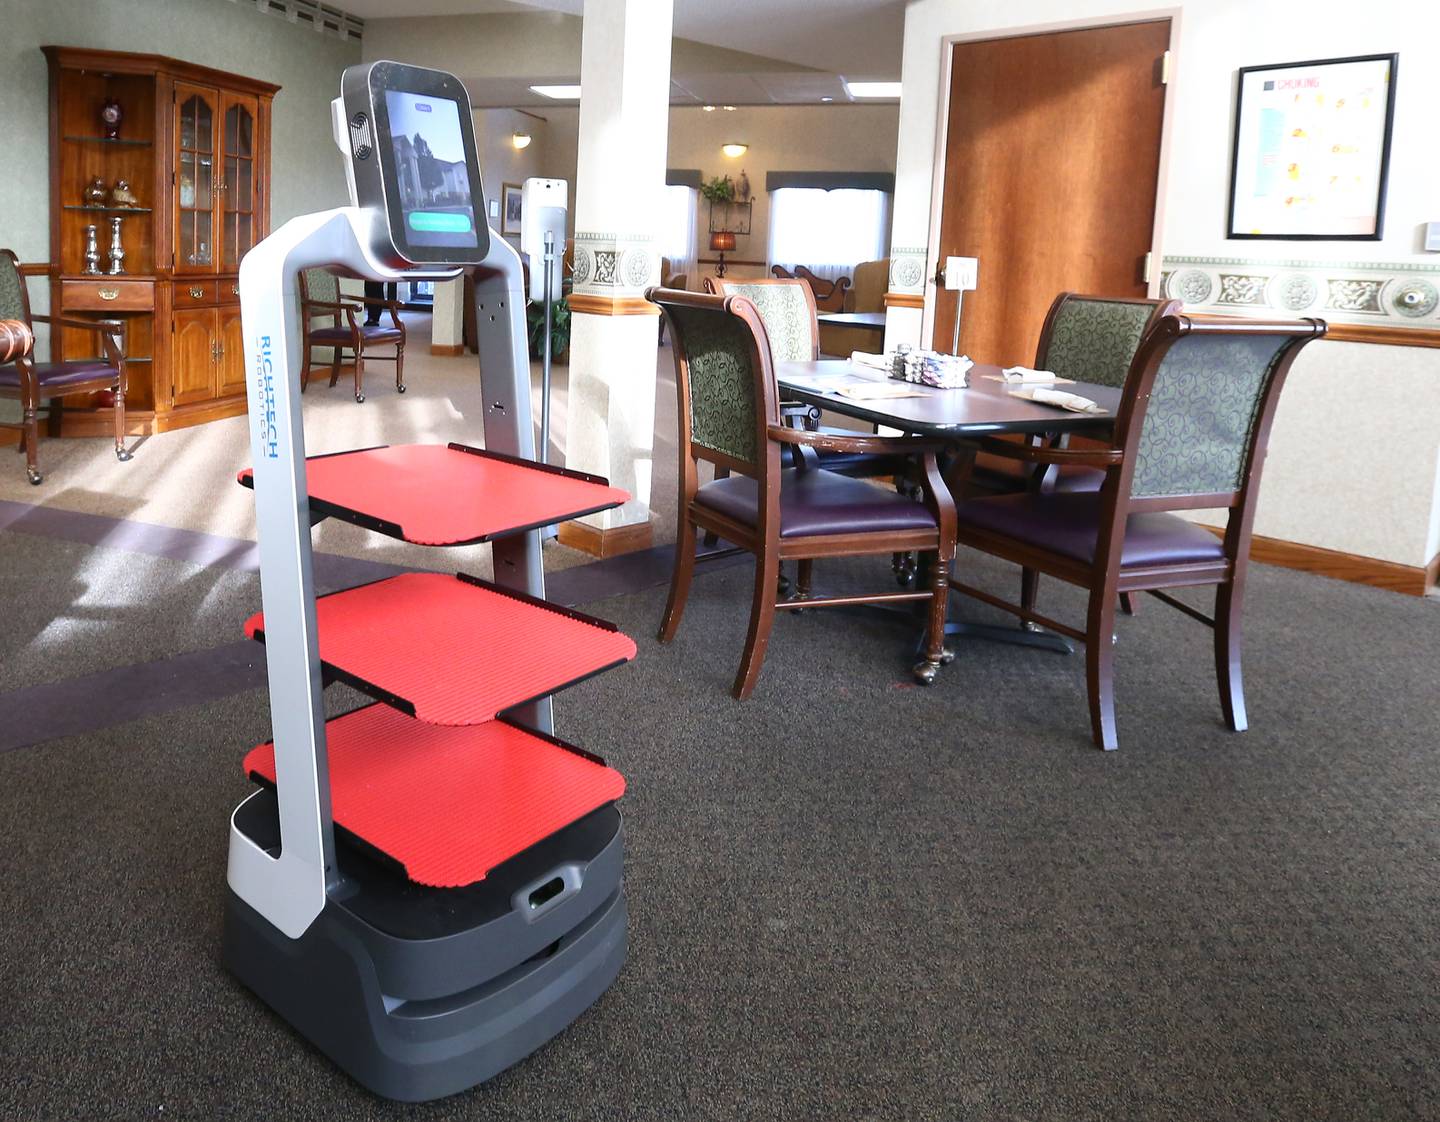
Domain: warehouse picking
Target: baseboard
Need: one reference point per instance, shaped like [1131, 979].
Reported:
[1413, 580]
[447, 350]
[607, 543]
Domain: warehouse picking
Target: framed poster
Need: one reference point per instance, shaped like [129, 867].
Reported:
[510, 209]
[1312, 149]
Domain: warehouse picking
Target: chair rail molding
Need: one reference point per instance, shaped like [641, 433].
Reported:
[1363, 301]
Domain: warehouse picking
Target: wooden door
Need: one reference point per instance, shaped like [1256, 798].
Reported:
[231, 354]
[1051, 167]
[192, 355]
[197, 179]
[239, 184]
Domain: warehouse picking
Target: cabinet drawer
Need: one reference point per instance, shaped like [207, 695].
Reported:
[106, 295]
[227, 290]
[195, 293]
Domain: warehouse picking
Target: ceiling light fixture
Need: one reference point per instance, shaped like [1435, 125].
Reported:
[827, 99]
[734, 151]
[729, 108]
[521, 140]
[873, 89]
[708, 108]
[560, 93]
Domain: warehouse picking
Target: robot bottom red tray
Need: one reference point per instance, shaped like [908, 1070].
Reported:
[450, 803]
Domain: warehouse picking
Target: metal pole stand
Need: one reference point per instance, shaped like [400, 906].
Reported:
[544, 457]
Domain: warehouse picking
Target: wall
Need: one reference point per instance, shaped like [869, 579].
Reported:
[500, 161]
[228, 36]
[1388, 396]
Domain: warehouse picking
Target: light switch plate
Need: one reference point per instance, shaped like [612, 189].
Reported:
[1432, 237]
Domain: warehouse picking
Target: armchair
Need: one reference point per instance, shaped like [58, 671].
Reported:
[34, 383]
[320, 297]
[1191, 432]
[729, 415]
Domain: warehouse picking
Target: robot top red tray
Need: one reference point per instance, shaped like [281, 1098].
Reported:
[456, 650]
[447, 803]
[433, 494]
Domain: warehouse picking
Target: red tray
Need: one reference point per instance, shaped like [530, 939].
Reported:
[456, 650]
[433, 494]
[450, 804]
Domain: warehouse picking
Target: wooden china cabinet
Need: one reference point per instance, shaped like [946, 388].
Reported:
[194, 146]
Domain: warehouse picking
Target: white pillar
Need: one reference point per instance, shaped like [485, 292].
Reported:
[624, 120]
[448, 318]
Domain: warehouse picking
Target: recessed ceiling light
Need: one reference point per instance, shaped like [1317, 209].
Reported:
[570, 93]
[827, 99]
[873, 89]
[729, 108]
[708, 108]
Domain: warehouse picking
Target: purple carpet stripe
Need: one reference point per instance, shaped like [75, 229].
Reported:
[98, 701]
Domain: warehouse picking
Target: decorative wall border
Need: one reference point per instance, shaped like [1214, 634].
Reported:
[1397, 296]
[907, 270]
[615, 265]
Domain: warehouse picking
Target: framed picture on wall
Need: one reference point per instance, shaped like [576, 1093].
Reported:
[510, 209]
[1312, 149]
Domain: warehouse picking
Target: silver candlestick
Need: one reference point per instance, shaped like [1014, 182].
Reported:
[117, 251]
[92, 252]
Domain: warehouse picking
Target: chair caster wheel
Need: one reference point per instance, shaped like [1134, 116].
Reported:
[925, 672]
[359, 399]
[123, 455]
[947, 656]
[35, 477]
[400, 389]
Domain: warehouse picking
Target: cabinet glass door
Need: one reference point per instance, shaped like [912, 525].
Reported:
[195, 179]
[239, 189]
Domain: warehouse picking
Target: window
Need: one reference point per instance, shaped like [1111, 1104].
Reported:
[677, 228]
[829, 232]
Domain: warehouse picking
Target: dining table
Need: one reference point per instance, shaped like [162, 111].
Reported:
[987, 406]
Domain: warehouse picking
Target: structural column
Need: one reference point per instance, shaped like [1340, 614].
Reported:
[624, 120]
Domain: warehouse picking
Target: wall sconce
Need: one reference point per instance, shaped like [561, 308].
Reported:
[734, 151]
[521, 140]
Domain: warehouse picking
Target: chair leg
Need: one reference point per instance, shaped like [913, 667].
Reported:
[1029, 589]
[335, 364]
[359, 375]
[32, 445]
[400, 369]
[1100, 668]
[679, 579]
[121, 452]
[935, 653]
[1228, 634]
[1128, 602]
[762, 615]
[804, 573]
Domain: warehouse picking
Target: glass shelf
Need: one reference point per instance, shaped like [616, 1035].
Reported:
[118, 140]
[114, 209]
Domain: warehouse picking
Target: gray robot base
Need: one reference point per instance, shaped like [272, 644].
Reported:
[418, 993]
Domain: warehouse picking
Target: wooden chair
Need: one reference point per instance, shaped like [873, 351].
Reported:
[1191, 432]
[320, 296]
[729, 415]
[829, 295]
[34, 383]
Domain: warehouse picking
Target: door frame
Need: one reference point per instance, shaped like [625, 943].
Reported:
[942, 132]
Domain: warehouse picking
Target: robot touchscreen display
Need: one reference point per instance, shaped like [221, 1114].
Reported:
[430, 171]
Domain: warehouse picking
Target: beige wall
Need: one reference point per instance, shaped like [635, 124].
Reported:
[1354, 464]
[500, 161]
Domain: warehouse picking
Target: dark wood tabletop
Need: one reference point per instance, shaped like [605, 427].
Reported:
[873, 321]
[984, 407]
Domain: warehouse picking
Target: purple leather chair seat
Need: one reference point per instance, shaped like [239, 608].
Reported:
[371, 334]
[57, 375]
[1071, 480]
[818, 502]
[1069, 524]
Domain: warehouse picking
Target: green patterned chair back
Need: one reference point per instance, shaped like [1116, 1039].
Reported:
[13, 302]
[715, 353]
[323, 286]
[1091, 339]
[787, 308]
[1209, 393]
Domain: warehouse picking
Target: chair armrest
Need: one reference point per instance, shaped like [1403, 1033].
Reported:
[833, 442]
[1040, 454]
[111, 332]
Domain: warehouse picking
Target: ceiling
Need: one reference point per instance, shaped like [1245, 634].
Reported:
[859, 39]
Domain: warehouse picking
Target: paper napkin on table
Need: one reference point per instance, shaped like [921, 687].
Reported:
[1059, 398]
[864, 358]
[879, 391]
[1018, 375]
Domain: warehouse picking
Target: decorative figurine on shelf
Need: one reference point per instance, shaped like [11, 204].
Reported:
[187, 190]
[94, 194]
[742, 189]
[110, 117]
[121, 195]
[92, 252]
[117, 251]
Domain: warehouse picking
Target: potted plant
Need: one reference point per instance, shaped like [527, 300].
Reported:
[559, 329]
[718, 190]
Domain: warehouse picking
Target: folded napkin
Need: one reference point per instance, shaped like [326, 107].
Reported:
[879, 391]
[1071, 401]
[1018, 375]
[879, 362]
